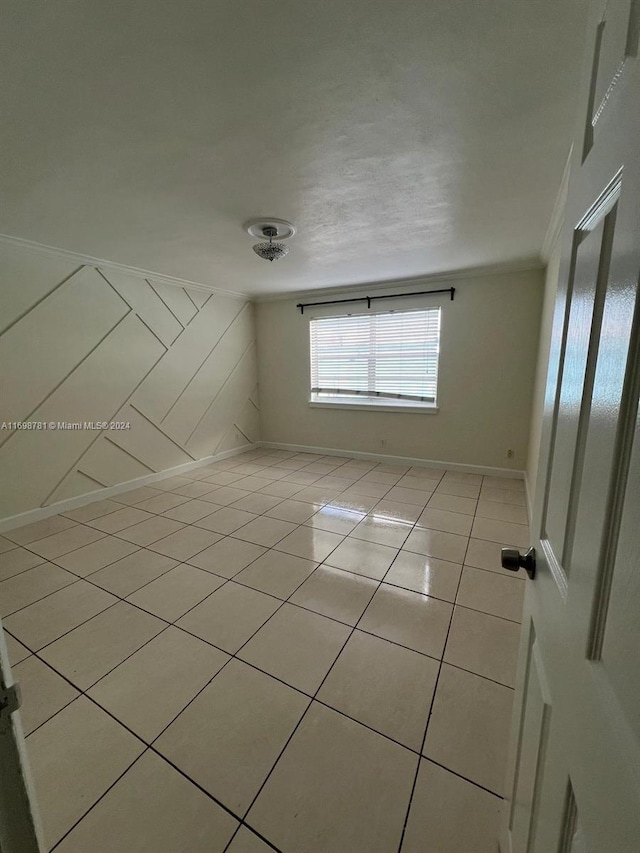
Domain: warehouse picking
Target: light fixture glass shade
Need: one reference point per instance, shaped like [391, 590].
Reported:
[271, 251]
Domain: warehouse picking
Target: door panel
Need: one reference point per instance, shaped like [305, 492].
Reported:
[575, 766]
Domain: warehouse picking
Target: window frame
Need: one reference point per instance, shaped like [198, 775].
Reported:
[374, 403]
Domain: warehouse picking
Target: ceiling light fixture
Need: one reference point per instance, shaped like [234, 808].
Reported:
[272, 229]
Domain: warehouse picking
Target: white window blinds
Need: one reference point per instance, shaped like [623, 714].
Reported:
[392, 355]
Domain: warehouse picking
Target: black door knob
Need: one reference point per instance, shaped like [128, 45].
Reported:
[513, 560]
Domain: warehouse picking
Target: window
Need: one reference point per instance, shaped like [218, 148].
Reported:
[385, 360]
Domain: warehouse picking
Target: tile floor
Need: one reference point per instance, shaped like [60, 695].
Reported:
[280, 651]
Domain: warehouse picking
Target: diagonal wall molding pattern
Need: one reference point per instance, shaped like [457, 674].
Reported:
[82, 343]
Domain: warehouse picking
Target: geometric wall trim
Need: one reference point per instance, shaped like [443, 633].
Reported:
[144, 375]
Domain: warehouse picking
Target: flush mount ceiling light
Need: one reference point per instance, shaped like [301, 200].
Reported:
[271, 229]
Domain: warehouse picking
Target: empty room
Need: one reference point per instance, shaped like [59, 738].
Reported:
[319, 427]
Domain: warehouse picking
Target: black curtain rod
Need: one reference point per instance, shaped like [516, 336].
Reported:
[370, 299]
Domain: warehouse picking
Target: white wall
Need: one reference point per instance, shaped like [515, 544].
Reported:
[487, 365]
[550, 288]
[81, 344]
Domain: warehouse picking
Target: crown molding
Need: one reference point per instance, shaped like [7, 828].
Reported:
[523, 265]
[33, 246]
[556, 222]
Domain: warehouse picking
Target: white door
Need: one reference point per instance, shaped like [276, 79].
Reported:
[574, 778]
[19, 825]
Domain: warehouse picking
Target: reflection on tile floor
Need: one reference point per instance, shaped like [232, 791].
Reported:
[280, 651]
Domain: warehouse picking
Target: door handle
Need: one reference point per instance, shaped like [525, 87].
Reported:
[513, 560]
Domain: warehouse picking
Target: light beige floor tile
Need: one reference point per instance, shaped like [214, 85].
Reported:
[320, 494]
[416, 497]
[44, 692]
[227, 557]
[243, 718]
[274, 475]
[483, 554]
[506, 483]
[168, 484]
[162, 502]
[194, 489]
[279, 489]
[152, 809]
[264, 531]
[120, 520]
[230, 616]
[222, 478]
[176, 591]
[502, 511]
[376, 476]
[51, 617]
[92, 510]
[442, 519]
[422, 484]
[452, 503]
[309, 543]
[190, 511]
[492, 593]
[462, 477]
[276, 573]
[362, 558]
[6, 545]
[486, 645]
[382, 531]
[338, 788]
[129, 574]
[468, 732]
[185, 543]
[248, 842]
[297, 646]
[65, 541]
[39, 529]
[336, 593]
[302, 478]
[294, 511]
[74, 758]
[16, 650]
[505, 496]
[335, 482]
[412, 620]
[463, 490]
[226, 495]
[373, 490]
[135, 496]
[150, 531]
[436, 543]
[16, 561]
[93, 649]
[225, 520]
[353, 503]
[88, 559]
[501, 531]
[32, 585]
[150, 688]
[452, 814]
[334, 520]
[252, 483]
[257, 503]
[395, 511]
[384, 686]
[426, 575]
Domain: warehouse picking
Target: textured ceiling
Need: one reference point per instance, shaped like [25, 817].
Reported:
[402, 138]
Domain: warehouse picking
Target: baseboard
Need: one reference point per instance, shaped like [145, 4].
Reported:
[398, 460]
[32, 515]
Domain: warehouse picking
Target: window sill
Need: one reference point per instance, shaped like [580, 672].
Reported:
[377, 406]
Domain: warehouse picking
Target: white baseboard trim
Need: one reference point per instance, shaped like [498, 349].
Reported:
[38, 514]
[398, 460]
